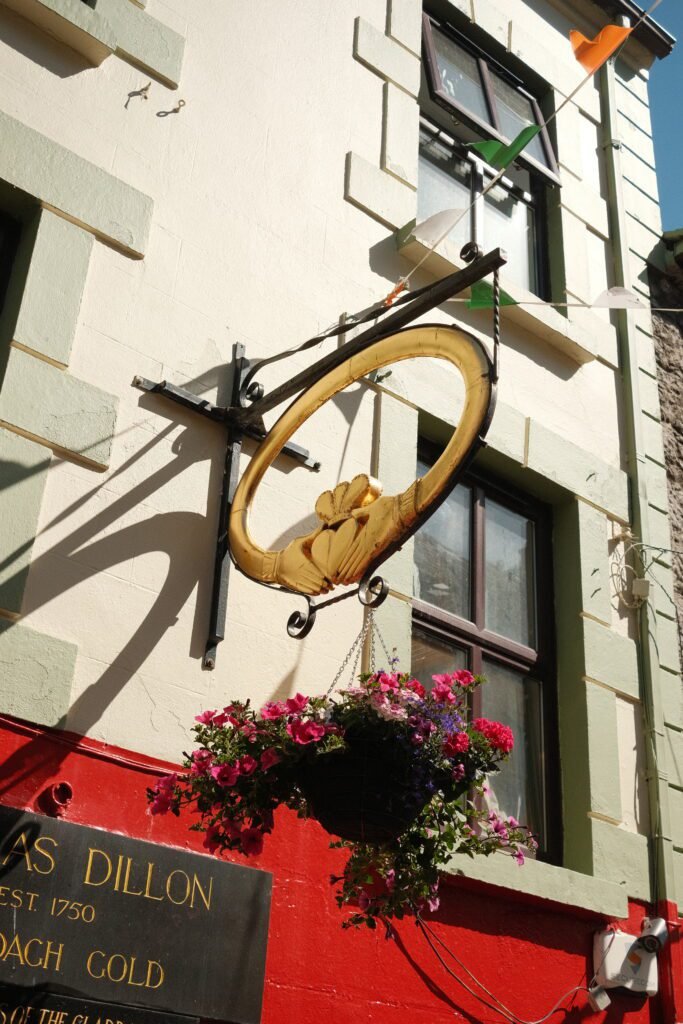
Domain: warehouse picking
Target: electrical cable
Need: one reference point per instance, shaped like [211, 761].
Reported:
[500, 1007]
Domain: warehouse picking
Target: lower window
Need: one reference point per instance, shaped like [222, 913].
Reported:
[483, 601]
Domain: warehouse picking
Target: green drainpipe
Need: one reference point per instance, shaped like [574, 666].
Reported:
[663, 886]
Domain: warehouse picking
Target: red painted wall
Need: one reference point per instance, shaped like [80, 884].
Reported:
[527, 952]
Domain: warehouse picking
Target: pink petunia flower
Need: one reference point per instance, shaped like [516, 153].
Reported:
[416, 687]
[225, 774]
[251, 841]
[442, 692]
[212, 839]
[273, 710]
[201, 762]
[247, 765]
[269, 758]
[296, 704]
[305, 732]
[519, 856]
[205, 718]
[463, 677]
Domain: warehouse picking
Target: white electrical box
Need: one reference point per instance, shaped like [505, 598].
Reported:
[620, 961]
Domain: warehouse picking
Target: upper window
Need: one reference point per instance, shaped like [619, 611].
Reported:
[481, 582]
[465, 98]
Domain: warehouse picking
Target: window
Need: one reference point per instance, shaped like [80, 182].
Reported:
[483, 601]
[465, 98]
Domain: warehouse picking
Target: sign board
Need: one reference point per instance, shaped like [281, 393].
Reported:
[93, 914]
[36, 1006]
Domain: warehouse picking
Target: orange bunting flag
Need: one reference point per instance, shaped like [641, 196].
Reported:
[592, 53]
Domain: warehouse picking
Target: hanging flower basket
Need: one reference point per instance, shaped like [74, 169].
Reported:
[384, 766]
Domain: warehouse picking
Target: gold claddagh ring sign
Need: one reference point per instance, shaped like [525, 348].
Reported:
[360, 527]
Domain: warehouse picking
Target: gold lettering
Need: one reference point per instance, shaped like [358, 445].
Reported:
[129, 892]
[3, 890]
[88, 869]
[148, 883]
[131, 973]
[43, 1011]
[16, 899]
[116, 956]
[32, 897]
[196, 886]
[23, 852]
[89, 964]
[14, 949]
[51, 952]
[38, 847]
[185, 898]
[118, 872]
[30, 963]
[148, 980]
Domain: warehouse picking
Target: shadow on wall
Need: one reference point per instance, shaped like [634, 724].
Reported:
[84, 553]
[39, 47]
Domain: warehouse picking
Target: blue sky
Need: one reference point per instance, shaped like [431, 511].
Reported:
[666, 95]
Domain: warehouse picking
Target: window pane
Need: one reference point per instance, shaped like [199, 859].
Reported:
[432, 656]
[459, 75]
[509, 696]
[514, 113]
[510, 224]
[442, 553]
[509, 592]
[443, 184]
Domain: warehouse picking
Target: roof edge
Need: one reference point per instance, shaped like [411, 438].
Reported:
[649, 33]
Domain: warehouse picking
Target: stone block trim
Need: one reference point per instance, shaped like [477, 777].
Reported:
[55, 409]
[622, 857]
[577, 470]
[610, 659]
[385, 57]
[376, 192]
[404, 24]
[36, 673]
[23, 472]
[603, 745]
[594, 570]
[48, 313]
[74, 188]
[547, 882]
[77, 25]
[144, 42]
[114, 26]
[399, 154]
[388, 193]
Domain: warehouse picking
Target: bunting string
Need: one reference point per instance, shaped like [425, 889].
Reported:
[591, 54]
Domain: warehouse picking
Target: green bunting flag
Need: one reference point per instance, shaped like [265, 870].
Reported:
[481, 297]
[499, 154]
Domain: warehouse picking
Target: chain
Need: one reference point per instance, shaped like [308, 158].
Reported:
[356, 646]
[369, 627]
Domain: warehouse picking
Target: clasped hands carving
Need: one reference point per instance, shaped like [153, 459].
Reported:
[357, 525]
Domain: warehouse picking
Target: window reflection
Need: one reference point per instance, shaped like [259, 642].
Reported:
[510, 595]
[432, 656]
[442, 553]
[512, 697]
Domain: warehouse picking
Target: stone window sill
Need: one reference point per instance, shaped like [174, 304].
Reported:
[544, 882]
[543, 322]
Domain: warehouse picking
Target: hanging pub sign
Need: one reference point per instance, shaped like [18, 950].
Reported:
[98, 916]
[359, 527]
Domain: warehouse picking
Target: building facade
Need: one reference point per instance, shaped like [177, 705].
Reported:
[178, 179]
